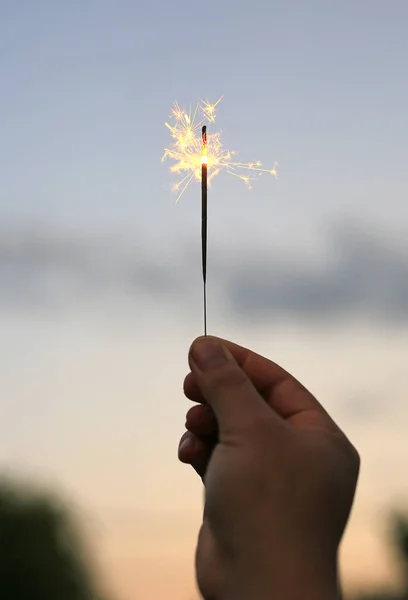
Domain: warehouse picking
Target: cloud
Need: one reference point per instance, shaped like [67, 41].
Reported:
[358, 271]
[43, 269]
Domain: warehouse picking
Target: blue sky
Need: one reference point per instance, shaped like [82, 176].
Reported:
[100, 272]
[86, 88]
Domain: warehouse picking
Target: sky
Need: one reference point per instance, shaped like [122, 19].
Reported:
[100, 280]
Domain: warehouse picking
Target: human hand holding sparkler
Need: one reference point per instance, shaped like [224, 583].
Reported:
[279, 476]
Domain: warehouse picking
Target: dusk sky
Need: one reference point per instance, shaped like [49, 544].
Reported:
[100, 280]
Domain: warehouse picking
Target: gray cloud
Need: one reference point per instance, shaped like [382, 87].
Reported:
[358, 272]
[43, 269]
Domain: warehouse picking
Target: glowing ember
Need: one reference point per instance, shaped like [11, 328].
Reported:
[189, 153]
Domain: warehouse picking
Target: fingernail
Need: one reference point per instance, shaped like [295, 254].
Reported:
[208, 354]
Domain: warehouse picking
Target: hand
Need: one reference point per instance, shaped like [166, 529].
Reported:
[279, 478]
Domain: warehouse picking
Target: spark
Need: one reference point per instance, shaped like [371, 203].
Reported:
[186, 150]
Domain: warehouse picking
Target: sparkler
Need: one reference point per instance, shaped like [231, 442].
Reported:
[204, 177]
[201, 157]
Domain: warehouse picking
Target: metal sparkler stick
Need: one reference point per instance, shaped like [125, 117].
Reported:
[204, 172]
[197, 158]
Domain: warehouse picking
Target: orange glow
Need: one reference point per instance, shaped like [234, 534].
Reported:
[188, 154]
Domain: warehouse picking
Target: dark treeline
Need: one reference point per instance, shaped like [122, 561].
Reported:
[42, 555]
[398, 541]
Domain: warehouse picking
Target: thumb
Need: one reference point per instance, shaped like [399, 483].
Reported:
[225, 386]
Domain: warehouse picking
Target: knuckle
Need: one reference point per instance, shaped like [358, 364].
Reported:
[350, 454]
[355, 455]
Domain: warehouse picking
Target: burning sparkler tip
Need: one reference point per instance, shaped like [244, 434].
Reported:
[193, 148]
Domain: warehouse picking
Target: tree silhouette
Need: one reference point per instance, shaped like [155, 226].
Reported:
[399, 541]
[41, 554]
[399, 530]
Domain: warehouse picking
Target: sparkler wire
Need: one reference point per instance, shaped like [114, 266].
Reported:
[187, 162]
[204, 172]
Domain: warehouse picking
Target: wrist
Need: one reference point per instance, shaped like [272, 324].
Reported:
[308, 579]
[293, 589]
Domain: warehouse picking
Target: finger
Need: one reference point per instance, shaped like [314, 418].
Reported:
[292, 401]
[201, 421]
[283, 393]
[225, 386]
[262, 372]
[195, 452]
